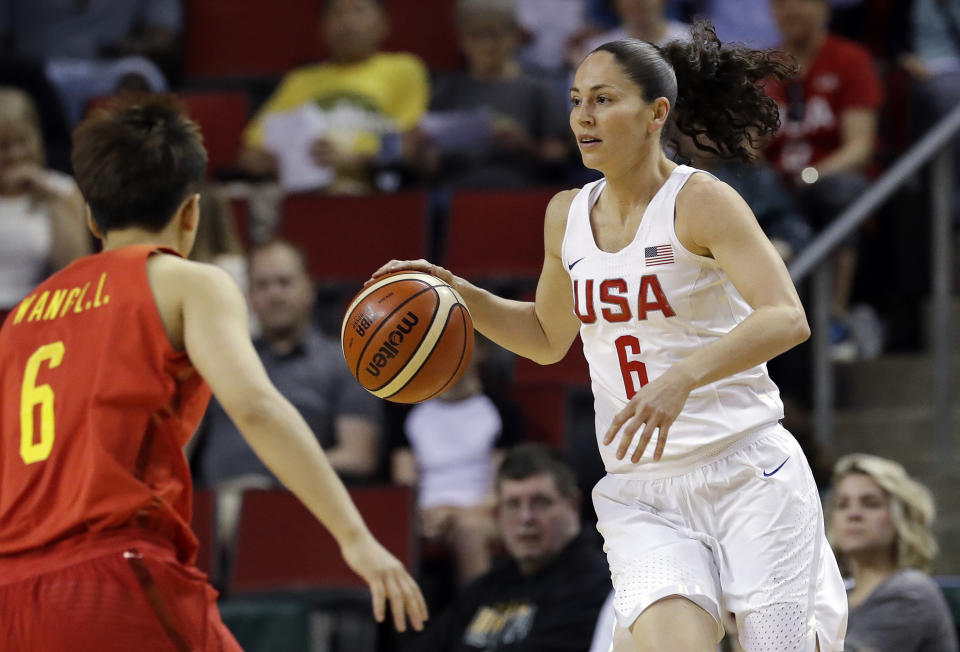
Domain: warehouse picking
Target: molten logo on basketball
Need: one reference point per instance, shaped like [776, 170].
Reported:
[407, 337]
[388, 350]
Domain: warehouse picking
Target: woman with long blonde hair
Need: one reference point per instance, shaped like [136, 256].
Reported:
[880, 523]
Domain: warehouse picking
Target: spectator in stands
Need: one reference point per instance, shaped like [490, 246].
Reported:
[308, 369]
[829, 126]
[492, 126]
[218, 241]
[364, 96]
[932, 58]
[451, 448]
[547, 594]
[549, 25]
[736, 21]
[42, 218]
[933, 55]
[880, 524]
[643, 19]
[91, 49]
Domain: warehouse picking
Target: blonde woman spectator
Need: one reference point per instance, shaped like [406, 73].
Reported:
[880, 524]
[41, 211]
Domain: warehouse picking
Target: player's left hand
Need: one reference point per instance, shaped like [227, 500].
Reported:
[655, 407]
[389, 582]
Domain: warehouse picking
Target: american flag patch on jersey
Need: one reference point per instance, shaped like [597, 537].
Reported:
[659, 255]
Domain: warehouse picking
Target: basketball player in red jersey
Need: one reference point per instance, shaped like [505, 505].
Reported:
[104, 373]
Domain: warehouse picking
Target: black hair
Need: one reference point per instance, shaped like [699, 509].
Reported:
[714, 90]
[136, 160]
[527, 460]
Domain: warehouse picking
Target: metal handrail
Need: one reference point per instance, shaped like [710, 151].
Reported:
[879, 192]
[934, 145]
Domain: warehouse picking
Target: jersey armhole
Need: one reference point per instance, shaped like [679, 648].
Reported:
[171, 352]
[673, 226]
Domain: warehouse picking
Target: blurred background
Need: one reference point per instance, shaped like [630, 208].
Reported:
[344, 133]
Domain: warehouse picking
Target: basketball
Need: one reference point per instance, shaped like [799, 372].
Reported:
[407, 337]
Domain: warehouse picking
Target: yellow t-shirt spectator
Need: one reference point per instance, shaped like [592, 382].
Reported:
[392, 85]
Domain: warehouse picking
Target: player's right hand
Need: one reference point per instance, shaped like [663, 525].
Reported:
[389, 582]
[420, 265]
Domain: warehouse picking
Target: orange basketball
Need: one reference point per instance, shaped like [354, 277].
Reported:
[407, 337]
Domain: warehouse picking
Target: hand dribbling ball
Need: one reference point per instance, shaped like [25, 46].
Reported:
[407, 337]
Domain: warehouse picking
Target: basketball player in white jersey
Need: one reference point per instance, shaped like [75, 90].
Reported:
[680, 300]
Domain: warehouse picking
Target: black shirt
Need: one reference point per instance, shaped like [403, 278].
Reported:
[554, 610]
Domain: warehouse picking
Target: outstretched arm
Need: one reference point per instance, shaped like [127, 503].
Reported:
[729, 233]
[541, 330]
[216, 338]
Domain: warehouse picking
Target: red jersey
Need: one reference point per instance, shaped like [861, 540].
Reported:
[840, 77]
[95, 408]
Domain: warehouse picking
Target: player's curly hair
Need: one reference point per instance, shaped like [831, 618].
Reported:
[715, 90]
[911, 507]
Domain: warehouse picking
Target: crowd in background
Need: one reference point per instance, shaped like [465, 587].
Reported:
[871, 76]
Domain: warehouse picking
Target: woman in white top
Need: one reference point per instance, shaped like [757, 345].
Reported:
[42, 224]
[708, 504]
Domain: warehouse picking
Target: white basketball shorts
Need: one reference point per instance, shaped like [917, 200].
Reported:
[739, 530]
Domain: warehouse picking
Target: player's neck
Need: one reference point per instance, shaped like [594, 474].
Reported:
[118, 238]
[632, 188]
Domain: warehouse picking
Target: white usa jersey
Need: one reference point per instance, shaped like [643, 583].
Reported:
[648, 306]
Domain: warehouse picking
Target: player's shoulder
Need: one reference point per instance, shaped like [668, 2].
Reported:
[555, 221]
[706, 207]
[559, 205]
[180, 275]
[703, 188]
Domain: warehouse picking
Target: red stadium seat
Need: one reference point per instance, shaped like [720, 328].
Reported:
[222, 117]
[348, 238]
[250, 37]
[280, 546]
[497, 234]
[203, 523]
[544, 410]
[572, 370]
[3, 315]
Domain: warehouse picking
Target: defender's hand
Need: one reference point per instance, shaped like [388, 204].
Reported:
[655, 407]
[389, 582]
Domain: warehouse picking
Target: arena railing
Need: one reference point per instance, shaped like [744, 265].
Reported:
[933, 149]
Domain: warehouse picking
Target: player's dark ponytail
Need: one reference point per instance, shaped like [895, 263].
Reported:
[714, 91]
